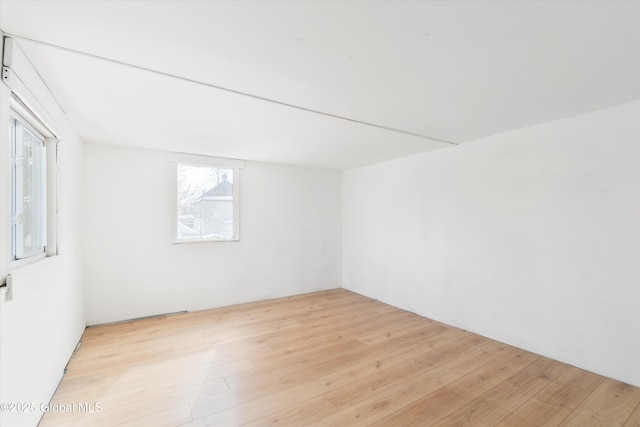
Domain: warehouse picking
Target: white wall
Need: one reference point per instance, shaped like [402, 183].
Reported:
[40, 327]
[290, 237]
[530, 237]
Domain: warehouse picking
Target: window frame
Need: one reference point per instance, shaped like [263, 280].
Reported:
[235, 167]
[20, 112]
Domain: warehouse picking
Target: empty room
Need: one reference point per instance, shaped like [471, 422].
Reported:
[326, 213]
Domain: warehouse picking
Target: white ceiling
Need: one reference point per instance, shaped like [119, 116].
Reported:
[453, 71]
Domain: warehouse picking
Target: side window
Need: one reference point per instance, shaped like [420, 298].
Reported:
[28, 190]
[207, 202]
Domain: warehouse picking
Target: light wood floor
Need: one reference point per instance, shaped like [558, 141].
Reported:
[331, 358]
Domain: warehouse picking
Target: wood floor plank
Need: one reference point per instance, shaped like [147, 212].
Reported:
[613, 399]
[302, 414]
[570, 389]
[411, 370]
[488, 375]
[233, 405]
[496, 404]
[584, 418]
[426, 411]
[536, 414]
[634, 418]
[373, 399]
[555, 402]
[327, 358]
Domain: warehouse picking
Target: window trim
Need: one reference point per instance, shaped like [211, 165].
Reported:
[28, 119]
[236, 198]
[220, 162]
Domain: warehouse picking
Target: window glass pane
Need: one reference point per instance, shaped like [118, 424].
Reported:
[33, 194]
[12, 140]
[205, 203]
[28, 192]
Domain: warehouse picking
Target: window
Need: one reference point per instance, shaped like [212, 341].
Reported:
[28, 190]
[207, 203]
[29, 164]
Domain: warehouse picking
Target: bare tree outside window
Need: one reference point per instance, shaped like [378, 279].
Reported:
[205, 203]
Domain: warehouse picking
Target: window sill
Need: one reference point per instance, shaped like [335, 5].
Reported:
[20, 263]
[31, 276]
[181, 242]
